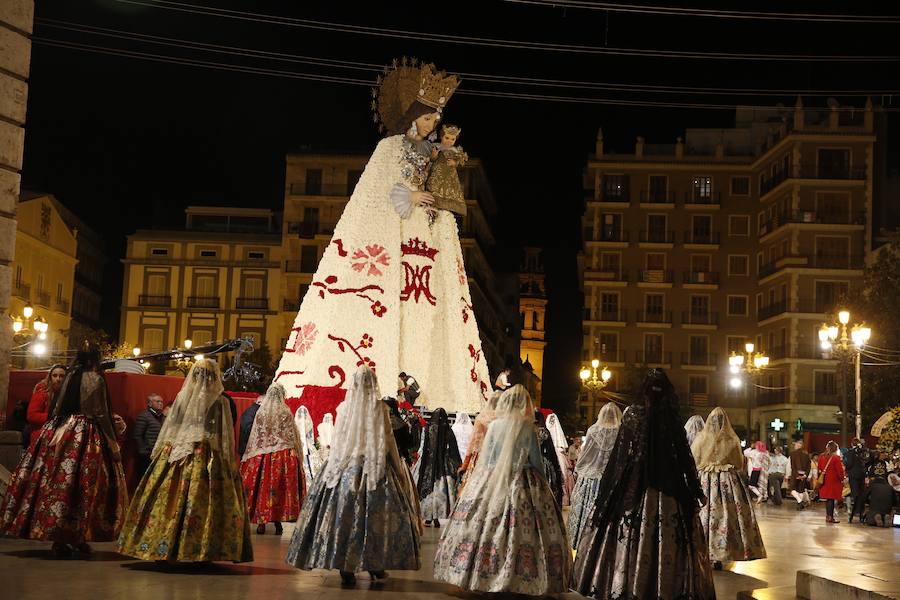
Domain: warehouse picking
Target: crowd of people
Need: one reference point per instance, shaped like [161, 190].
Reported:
[650, 508]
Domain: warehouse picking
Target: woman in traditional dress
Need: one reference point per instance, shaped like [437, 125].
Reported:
[190, 505]
[311, 459]
[69, 487]
[391, 289]
[728, 519]
[326, 434]
[548, 454]
[507, 532]
[271, 468]
[462, 429]
[693, 426]
[566, 470]
[479, 430]
[598, 445]
[439, 469]
[402, 430]
[360, 514]
[644, 539]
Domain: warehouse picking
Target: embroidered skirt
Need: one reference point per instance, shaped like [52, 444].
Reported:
[728, 519]
[192, 509]
[273, 486]
[583, 499]
[67, 488]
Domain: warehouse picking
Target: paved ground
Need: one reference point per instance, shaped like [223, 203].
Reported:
[794, 541]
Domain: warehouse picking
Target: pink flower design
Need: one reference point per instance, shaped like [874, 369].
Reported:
[369, 259]
[304, 337]
[378, 309]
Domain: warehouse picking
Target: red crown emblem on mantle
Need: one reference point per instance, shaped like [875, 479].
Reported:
[418, 247]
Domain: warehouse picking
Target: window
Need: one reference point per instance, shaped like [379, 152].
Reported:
[157, 285]
[610, 262]
[699, 353]
[159, 251]
[699, 309]
[834, 163]
[738, 264]
[829, 294]
[208, 253]
[659, 185]
[59, 293]
[654, 305]
[611, 227]
[201, 337]
[653, 348]
[615, 188]
[825, 383]
[40, 282]
[609, 346]
[205, 286]
[311, 216]
[656, 228]
[701, 189]
[833, 207]
[313, 182]
[153, 340]
[701, 229]
[353, 176]
[256, 255]
[740, 186]
[832, 252]
[309, 258]
[739, 225]
[735, 345]
[737, 306]
[697, 385]
[609, 307]
[254, 287]
[701, 263]
[18, 275]
[656, 261]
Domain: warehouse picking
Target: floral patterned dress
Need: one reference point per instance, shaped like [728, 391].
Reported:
[69, 486]
[516, 546]
[273, 484]
[728, 519]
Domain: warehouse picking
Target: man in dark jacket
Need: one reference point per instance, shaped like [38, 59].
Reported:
[247, 418]
[146, 430]
[856, 463]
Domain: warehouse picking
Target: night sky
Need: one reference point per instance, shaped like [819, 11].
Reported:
[127, 143]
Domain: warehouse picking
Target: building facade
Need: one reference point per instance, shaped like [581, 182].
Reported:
[750, 234]
[43, 276]
[533, 313]
[218, 279]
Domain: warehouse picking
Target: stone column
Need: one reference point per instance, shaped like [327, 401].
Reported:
[16, 17]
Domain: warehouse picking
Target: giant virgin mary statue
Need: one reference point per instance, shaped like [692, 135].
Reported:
[391, 290]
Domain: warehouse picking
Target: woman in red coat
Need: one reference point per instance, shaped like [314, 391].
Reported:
[39, 405]
[832, 489]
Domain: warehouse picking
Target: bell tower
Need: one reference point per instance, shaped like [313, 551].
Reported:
[533, 310]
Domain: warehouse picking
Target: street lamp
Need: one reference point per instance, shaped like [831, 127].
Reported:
[30, 330]
[846, 341]
[751, 363]
[594, 378]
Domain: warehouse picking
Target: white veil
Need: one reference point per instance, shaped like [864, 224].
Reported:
[462, 429]
[556, 432]
[200, 413]
[273, 427]
[326, 430]
[601, 437]
[693, 426]
[362, 433]
[304, 424]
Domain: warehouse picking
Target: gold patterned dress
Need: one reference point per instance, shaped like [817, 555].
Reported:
[190, 504]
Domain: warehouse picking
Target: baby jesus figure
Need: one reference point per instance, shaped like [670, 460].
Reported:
[443, 179]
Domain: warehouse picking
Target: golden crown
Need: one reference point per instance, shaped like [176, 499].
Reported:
[405, 82]
[450, 130]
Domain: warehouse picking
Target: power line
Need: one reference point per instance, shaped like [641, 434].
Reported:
[488, 78]
[714, 13]
[495, 42]
[215, 65]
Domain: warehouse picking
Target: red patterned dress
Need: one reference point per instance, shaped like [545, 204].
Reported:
[69, 486]
[271, 469]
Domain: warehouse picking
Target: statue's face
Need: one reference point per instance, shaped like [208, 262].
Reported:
[426, 124]
[448, 139]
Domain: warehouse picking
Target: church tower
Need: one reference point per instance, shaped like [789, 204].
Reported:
[533, 310]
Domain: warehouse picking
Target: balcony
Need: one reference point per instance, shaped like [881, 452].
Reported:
[309, 230]
[42, 298]
[821, 398]
[701, 278]
[322, 189]
[616, 198]
[819, 261]
[809, 172]
[795, 306]
[61, 306]
[703, 199]
[155, 301]
[653, 357]
[657, 197]
[608, 316]
[770, 397]
[203, 302]
[691, 359]
[691, 317]
[702, 238]
[655, 276]
[701, 400]
[811, 217]
[252, 304]
[605, 235]
[22, 290]
[663, 317]
[610, 275]
[612, 356]
[657, 236]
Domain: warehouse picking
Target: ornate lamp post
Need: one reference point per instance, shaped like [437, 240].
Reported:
[750, 363]
[594, 379]
[847, 342]
[30, 330]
